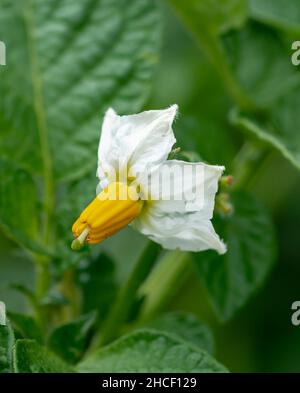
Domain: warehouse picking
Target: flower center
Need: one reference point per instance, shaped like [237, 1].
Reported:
[112, 209]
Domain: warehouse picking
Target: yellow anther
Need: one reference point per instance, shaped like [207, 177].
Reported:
[114, 208]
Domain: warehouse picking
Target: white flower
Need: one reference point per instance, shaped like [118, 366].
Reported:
[132, 161]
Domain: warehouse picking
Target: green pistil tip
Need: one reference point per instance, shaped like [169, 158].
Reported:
[76, 245]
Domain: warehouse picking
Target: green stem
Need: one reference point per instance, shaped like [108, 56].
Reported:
[43, 275]
[217, 57]
[127, 295]
[163, 284]
[207, 38]
[42, 283]
[70, 290]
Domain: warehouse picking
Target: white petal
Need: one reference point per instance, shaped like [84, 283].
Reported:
[186, 232]
[183, 221]
[138, 141]
[179, 186]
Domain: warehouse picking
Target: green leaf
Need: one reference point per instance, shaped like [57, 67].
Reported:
[30, 357]
[25, 326]
[279, 128]
[185, 326]
[191, 133]
[232, 278]
[259, 57]
[70, 340]
[215, 15]
[284, 15]
[96, 278]
[70, 61]
[26, 292]
[6, 343]
[150, 351]
[18, 206]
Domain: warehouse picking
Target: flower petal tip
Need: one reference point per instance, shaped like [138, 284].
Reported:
[222, 249]
[174, 109]
[110, 112]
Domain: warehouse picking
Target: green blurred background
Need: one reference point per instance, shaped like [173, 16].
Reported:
[260, 337]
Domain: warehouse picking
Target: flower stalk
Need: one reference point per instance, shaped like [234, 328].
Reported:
[164, 283]
[127, 295]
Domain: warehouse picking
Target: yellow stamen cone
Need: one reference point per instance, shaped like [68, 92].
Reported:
[113, 209]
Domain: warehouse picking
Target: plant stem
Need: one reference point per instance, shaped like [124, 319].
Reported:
[42, 283]
[207, 38]
[127, 295]
[70, 291]
[163, 284]
[43, 276]
[216, 56]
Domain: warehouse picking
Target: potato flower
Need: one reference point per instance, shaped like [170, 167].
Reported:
[170, 201]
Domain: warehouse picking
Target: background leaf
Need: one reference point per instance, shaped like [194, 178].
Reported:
[185, 326]
[70, 340]
[30, 357]
[67, 73]
[150, 351]
[259, 57]
[19, 205]
[276, 13]
[278, 128]
[231, 279]
[25, 326]
[192, 131]
[96, 277]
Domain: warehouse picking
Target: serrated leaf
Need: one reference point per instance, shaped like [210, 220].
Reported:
[18, 206]
[258, 57]
[70, 61]
[279, 128]
[231, 279]
[185, 326]
[284, 15]
[70, 340]
[25, 326]
[150, 351]
[30, 357]
[6, 345]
